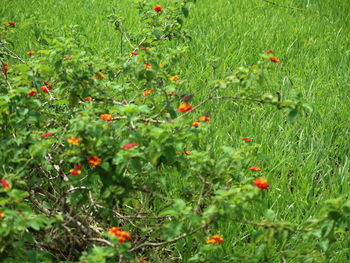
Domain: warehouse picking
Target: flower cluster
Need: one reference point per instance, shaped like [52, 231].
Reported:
[5, 184]
[99, 75]
[261, 183]
[11, 24]
[246, 139]
[274, 59]
[121, 235]
[106, 117]
[5, 68]
[255, 168]
[76, 170]
[94, 160]
[215, 239]
[158, 8]
[185, 107]
[32, 92]
[204, 118]
[74, 140]
[146, 92]
[46, 134]
[174, 78]
[129, 145]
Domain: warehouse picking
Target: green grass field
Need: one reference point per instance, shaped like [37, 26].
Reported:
[308, 160]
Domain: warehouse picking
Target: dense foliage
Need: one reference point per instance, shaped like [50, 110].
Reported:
[95, 148]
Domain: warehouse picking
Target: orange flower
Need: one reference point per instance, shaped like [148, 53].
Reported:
[114, 231]
[74, 141]
[94, 160]
[68, 58]
[2, 214]
[134, 53]
[255, 168]
[44, 89]
[129, 145]
[246, 139]
[5, 184]
[174, 78]
[195, 124]
[106, 117]
[261, 183]
[204, 118]
[274, 59]
[215, 239]
[12, 24]
[158, 8]
[122, 235]
[75, 172]
[33, 92]
[148, 66]
[30, 53]
[100, 75]
[187, 152]
[88, 99]
[146, 92]
[184, 108]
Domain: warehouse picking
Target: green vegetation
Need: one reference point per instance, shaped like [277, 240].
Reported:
[304, 216]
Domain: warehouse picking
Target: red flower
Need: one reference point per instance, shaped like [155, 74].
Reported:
[44, 89]
[158, 8]
[274, 59]
[184, 107]
[12, 24]
[46, 134]
[134, 53]
[148, 66]
[74, 172]
[5, 70]
[269, 51]
[78, 166]
[255, 168]
[215, 239]
[261, 183]
[5, 184]
[246, 139]
[40, 55]
[88, 99]
[33, 92]
[129, 145]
